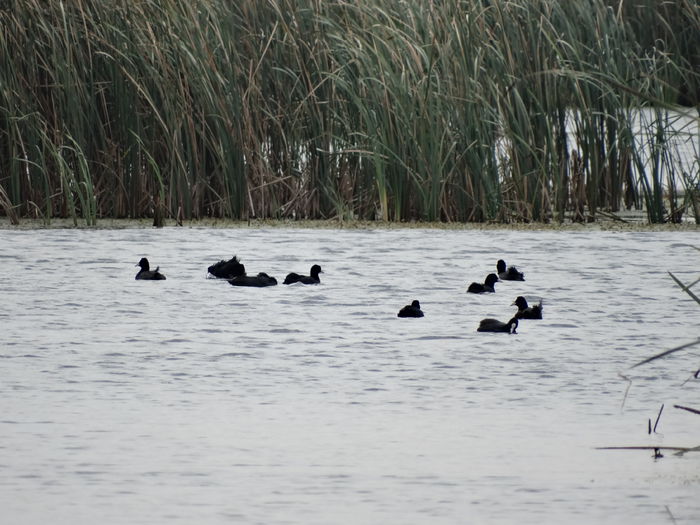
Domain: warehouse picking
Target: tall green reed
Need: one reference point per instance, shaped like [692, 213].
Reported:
[458, 111]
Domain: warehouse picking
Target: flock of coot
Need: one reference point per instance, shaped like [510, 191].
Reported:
[504, 273]
[525, 311]
[234, 272]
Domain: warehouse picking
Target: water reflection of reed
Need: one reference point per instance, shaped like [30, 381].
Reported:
[454, 111]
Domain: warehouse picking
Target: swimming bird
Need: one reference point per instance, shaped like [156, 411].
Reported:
[487, 287]
[494, 325]
[146, 274]
[227, 269]
[525, 311]
[411, 310]
[313, 278]
[260, 281]
[508, 274]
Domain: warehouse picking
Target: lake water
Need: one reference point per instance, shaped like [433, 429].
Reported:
[192, 401]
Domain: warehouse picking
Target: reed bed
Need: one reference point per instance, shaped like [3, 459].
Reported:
[480, 110]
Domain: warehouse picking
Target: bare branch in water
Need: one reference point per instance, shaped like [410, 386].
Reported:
[685, 288]
[658, 417]
[679, 451]
[696, 281]
[673, 518]
[693, 410]
[629, 385]
[649, 447]
[667, 352]
[694, 376]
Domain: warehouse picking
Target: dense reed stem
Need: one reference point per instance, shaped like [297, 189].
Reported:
[504, 110]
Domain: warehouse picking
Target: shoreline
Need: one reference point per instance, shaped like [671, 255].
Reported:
[122, 224]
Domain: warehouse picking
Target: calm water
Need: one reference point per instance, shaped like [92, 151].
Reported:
[191, 401]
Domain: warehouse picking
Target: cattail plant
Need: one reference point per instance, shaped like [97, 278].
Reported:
[479, 110]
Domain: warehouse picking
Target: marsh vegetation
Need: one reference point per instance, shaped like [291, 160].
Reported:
[481, 110]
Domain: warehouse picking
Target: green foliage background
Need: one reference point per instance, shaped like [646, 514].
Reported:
[447, 110]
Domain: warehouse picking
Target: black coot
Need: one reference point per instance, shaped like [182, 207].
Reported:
[411, 310]
[146, 274]
[486, 287]
[313, 278]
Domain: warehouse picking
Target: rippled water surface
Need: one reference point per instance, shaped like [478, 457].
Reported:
[191, 401]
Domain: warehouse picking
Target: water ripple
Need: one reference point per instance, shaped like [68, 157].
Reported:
[283, 400]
